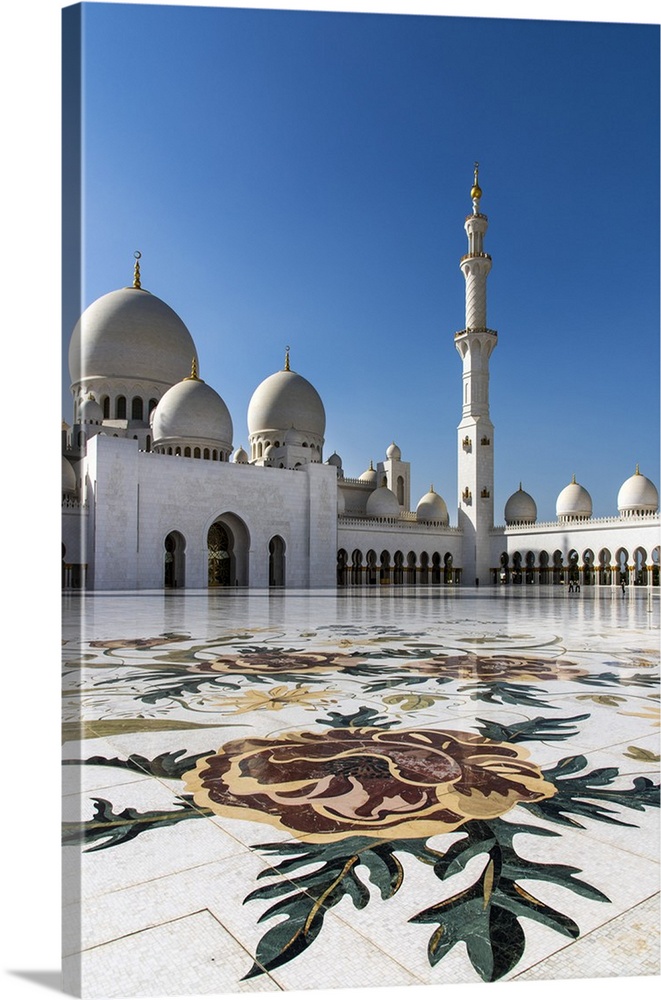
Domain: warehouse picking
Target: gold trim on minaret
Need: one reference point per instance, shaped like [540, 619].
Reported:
[476, 190]
[136, 270]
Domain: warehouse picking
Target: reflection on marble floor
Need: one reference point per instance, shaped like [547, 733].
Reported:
[270, 791]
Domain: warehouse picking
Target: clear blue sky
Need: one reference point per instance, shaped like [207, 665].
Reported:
[302, 178]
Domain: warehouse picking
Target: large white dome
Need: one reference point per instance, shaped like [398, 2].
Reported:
[574, 503]
[520, 508]
[192, 412]
[638, 495]
[286, 400]
[130, 334]
[382, 503]
[432, 507]
[68, 476]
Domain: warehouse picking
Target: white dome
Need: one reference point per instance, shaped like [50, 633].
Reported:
[240, 456]
[382, 503]
[294, 438]
[393, 453]
[638, 494]
[130, 334]
[520, 508]
[192, 412]
[90, 411]
[335, 460]
[432, 507]
[68, 476]
[573, 503]
[286, 401]
[369, 475]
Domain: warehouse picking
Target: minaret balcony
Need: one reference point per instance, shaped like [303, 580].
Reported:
[471, 256]
[475, 215]
[475, 329]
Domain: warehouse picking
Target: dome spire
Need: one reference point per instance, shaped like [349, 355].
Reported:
[287, 368]
[136, 270]
[193, 377]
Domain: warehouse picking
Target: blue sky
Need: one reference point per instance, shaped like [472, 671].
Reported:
[302, 178]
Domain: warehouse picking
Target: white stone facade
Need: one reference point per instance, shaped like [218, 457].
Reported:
[153, 496]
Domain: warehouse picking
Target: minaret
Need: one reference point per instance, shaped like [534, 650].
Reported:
[475, 432]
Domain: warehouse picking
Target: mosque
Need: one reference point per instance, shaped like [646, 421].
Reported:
[155, 495]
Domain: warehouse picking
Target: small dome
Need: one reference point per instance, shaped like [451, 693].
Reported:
[638, 495]
[432, 507]
[240, 456]
[393, 453]
[286, 401]
[270, 451]
[382, 503]
[90, 411]
[369, 475]
[574, 503]
[335, 460]
[130, 334]
[192, 411]
[68, 476]
[520, 508]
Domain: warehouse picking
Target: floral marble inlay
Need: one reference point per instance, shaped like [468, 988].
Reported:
[376, 754]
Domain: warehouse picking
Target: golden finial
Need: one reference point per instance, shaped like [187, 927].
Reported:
[287, 368]
[136, 270]
[476, 190]
[573, 479]
[193, 377]
[637, 469]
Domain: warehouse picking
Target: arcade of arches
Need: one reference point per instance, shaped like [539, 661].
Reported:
[374, 568]
[606, 568]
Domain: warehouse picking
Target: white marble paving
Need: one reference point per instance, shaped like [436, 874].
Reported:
[162, 912]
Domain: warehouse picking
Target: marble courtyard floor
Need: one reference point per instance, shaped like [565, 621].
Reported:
[283, 791]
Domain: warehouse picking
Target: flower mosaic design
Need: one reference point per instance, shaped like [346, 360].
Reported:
[512, 669]
[362, 791]
[141, 643]
[277, 698]
[271, 663]
[368, 781]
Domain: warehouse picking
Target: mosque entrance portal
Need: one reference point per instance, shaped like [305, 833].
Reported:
[228, 543]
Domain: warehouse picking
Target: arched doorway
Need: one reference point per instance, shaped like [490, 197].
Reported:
[174, 563]
[220, 544]
[410, 569]
[276, 562]
[384, 568]
[588, 568]
[228, 544]
[622, 561]
[356, 567]
[371, 568]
